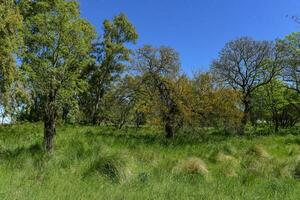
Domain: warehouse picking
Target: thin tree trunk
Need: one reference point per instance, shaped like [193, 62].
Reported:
[95, 109]
[275, 118]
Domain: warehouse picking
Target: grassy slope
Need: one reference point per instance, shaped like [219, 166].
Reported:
[99, 163]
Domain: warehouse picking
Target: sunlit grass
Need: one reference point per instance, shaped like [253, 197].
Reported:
[104, 163]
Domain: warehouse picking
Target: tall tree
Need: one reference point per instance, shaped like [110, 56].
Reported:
[159, 70]
[111, 55]
[10, 43]
[245, 65]
[58, 45]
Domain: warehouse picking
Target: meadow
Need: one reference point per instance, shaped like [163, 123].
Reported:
[90, 162]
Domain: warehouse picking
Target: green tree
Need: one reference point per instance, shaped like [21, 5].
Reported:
[290, 48]
[58, 45]
[119, 103]
[111, 55]
[10, 44]
[276, 104]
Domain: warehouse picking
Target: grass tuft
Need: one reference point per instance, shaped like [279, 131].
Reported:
[192, 165]
[112, 168]
[228, 164]
[258, 151]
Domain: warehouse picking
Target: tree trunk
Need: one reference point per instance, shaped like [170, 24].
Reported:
[275, 119]
[169, 129]
[94, 115]
[49, 130]
[49, 121]
[246, 113]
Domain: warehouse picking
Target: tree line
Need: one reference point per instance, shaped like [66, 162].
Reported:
[55, 68]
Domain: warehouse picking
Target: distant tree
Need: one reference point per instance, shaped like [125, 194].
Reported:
[213, 104]
[58, 45]
[111, 55]
[275, 103]
[158, 69]
[290, 48]
[119, 103]
[10, 44]
[245, 65]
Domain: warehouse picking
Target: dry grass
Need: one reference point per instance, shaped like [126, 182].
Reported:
[292, 168]
[258, 151]
[192, 165]
[228, 164]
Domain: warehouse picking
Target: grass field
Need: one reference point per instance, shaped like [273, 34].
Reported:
[103, 163]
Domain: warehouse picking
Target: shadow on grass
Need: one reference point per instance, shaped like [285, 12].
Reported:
[182, 138]
[15, 153]
[125, 137]
[292, 141]
[111, 168]
[16, 158]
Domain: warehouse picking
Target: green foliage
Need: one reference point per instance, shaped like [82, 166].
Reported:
[290, 50]
[274, 103]
[111, 55]
[52, 60]
[11, 42]
[57, 49]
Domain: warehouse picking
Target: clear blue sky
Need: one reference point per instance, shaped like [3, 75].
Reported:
[197, 29]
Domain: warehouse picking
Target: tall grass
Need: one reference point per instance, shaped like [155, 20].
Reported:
[104, 163]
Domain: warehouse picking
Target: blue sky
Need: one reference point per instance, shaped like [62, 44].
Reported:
[197, 29]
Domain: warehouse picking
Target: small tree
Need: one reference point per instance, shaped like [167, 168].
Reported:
[245, 65]
[58, 44]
